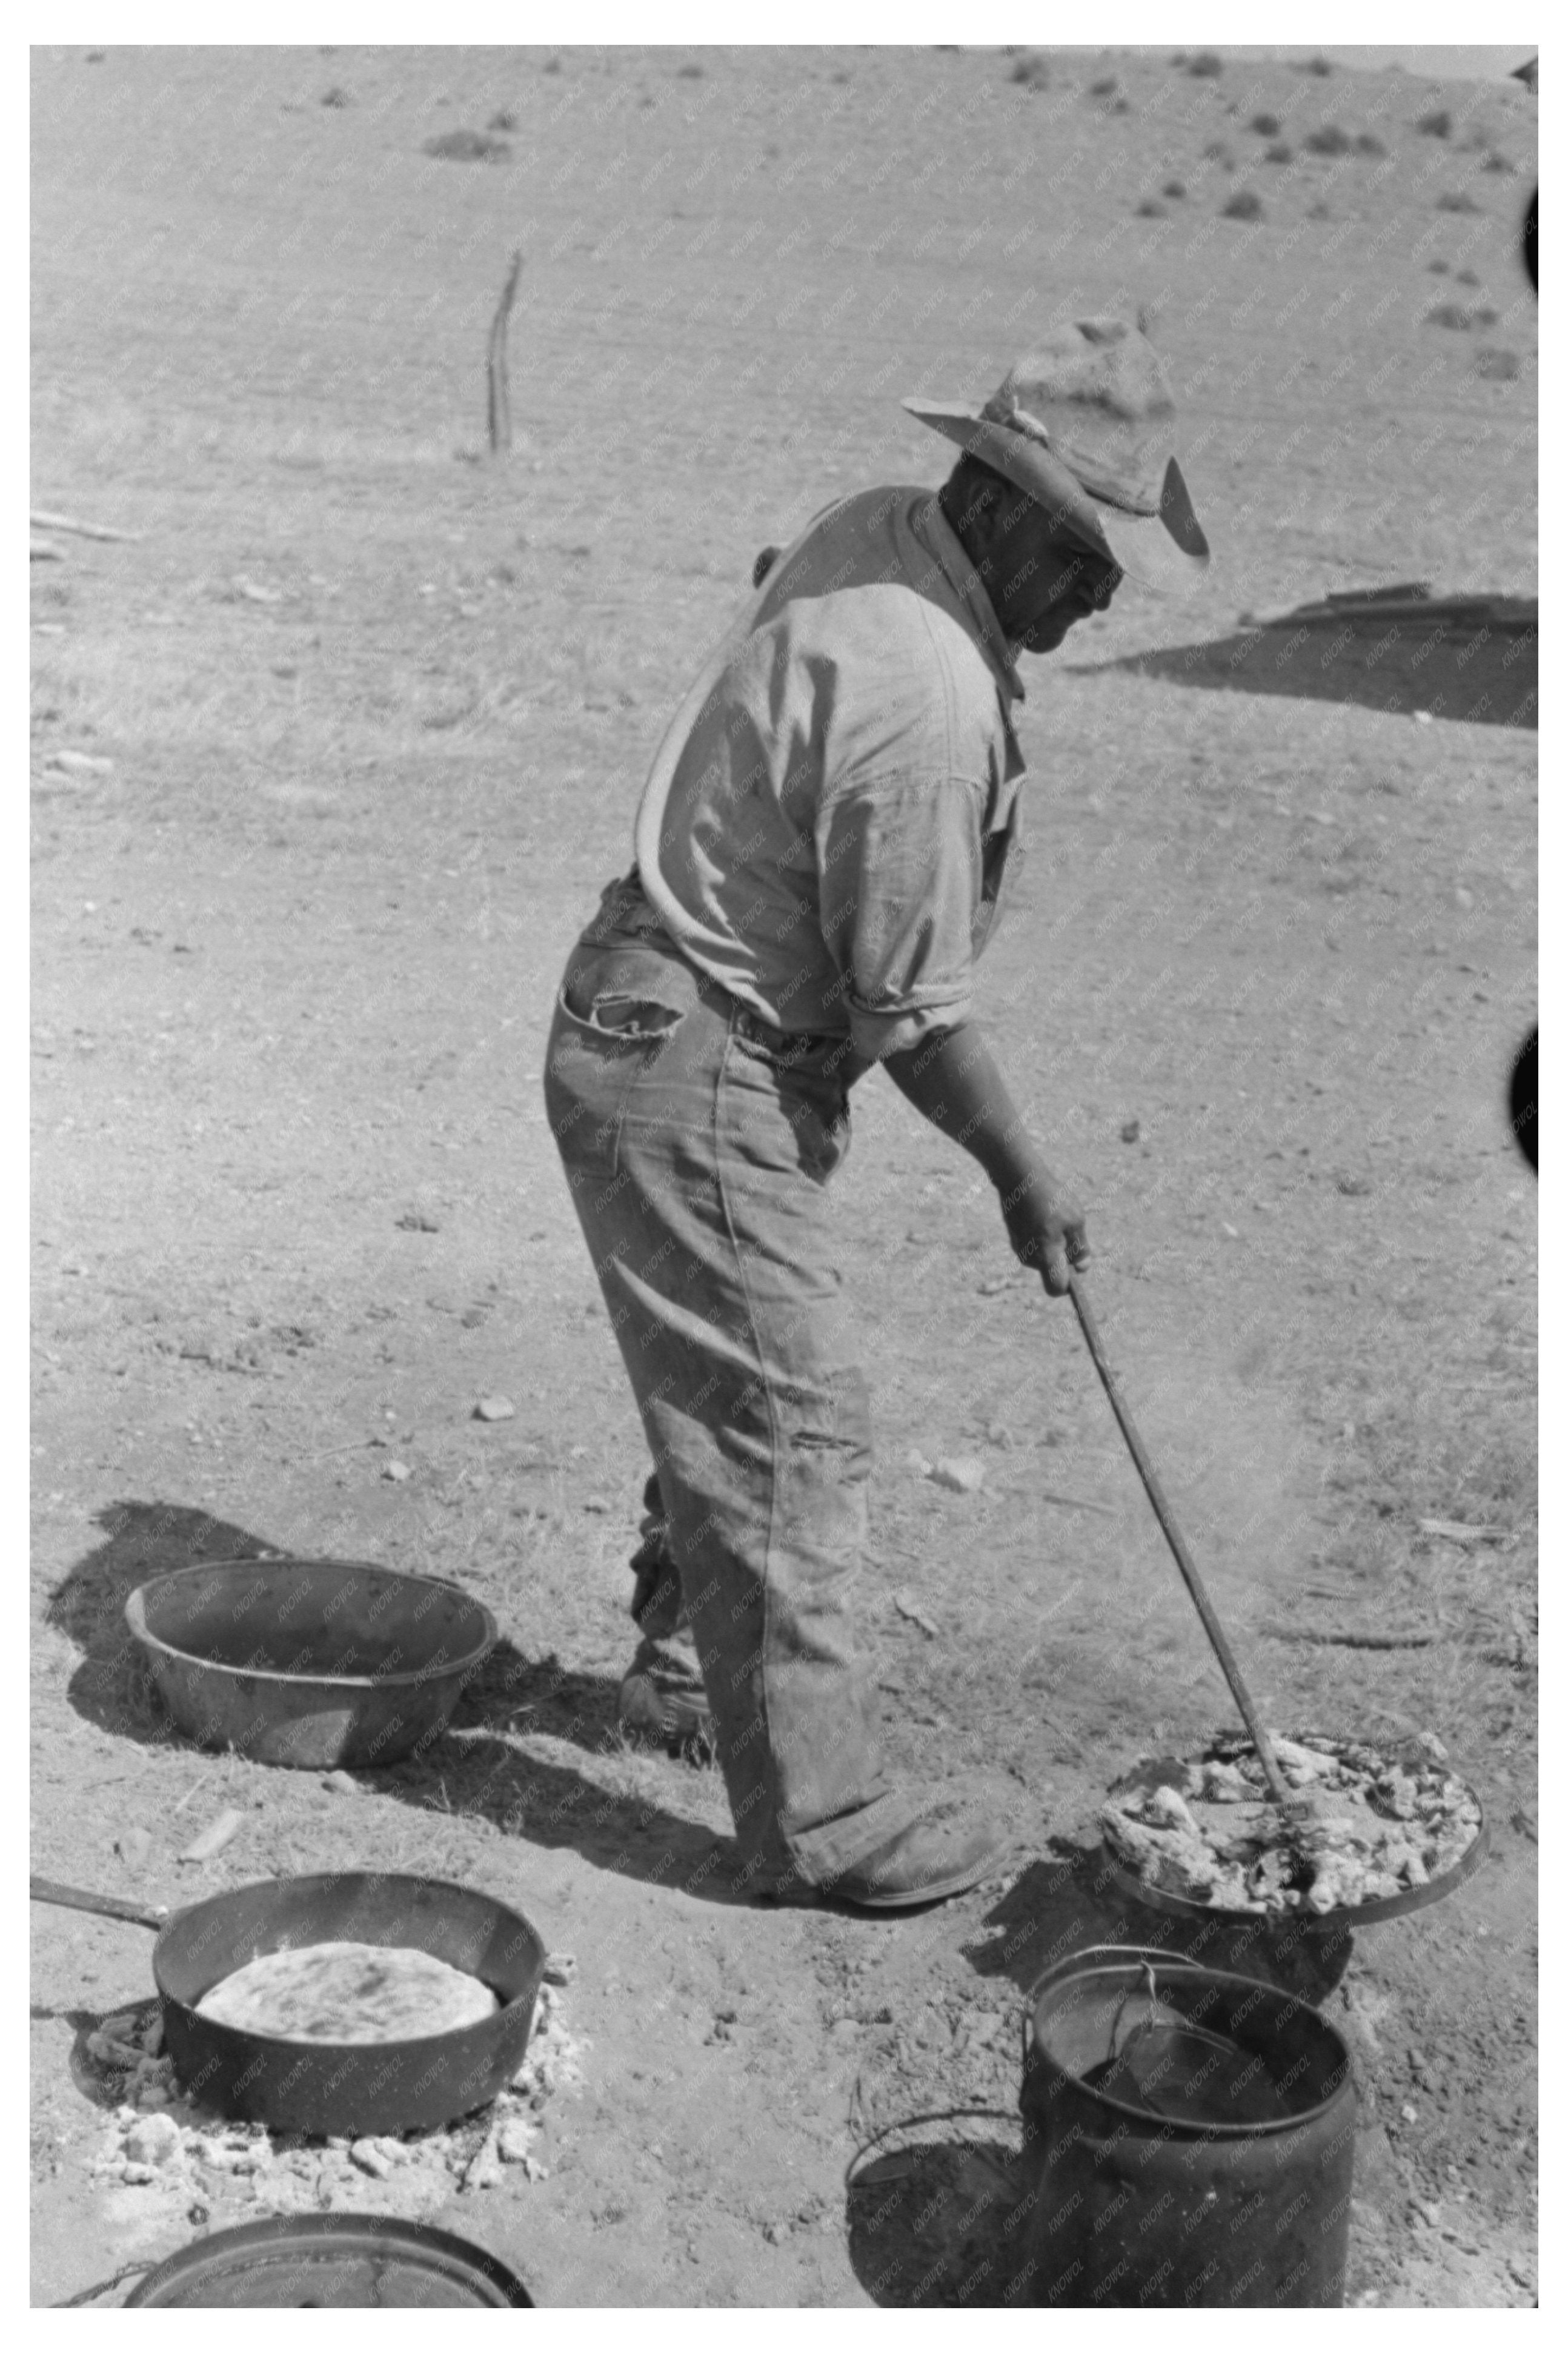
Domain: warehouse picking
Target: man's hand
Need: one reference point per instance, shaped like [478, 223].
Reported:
[952, 1080]
[1045, 1226]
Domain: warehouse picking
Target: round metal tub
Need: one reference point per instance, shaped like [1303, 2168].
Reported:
[309, 1663]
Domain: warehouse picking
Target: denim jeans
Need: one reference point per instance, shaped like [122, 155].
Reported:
[698, 1145]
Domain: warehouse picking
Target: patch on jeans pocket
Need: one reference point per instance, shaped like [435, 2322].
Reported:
[634, 992]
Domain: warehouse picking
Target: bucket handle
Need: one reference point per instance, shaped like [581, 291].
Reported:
[1149, 1955]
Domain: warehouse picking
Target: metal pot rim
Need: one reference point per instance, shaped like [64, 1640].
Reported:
[1339, 1916]
[135, 1614]
[223, 2250]
[1097, 1959]
[456, 2051]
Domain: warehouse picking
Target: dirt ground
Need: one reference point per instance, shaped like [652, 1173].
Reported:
[371, 715]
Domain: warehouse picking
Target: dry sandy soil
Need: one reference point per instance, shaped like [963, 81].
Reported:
[378, 713]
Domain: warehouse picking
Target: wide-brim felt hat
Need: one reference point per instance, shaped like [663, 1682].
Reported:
[1082, 425]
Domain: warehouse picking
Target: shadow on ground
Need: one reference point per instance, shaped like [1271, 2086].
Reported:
[1057, 1908]
[512, 1692]
[477, 1766]
[1474, 658]
[548, 1803]
[939, 2224]
[109, 1685]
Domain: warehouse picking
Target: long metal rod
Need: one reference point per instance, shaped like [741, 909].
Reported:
[1278, 1788]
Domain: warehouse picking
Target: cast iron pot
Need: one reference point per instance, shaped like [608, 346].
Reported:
[323, 2088]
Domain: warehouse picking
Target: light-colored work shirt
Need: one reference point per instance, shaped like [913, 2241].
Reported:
[827, 824]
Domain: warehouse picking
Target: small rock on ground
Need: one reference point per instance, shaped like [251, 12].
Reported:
[79, 764]
[961, 1472]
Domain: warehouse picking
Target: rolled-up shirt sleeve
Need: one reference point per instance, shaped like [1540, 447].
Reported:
[900, 862]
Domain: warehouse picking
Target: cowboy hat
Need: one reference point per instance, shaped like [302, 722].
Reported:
[1079, 424]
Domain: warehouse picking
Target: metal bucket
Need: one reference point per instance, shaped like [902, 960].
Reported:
[1190, 2136]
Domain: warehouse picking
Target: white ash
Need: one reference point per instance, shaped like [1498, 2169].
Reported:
[159, 2140]
[553, 2061]
[1382, 1825]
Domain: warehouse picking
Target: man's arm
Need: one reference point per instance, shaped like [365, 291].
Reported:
[901, 864]
[952, 1080]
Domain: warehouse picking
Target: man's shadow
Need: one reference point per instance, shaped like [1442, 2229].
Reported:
[475, 1767]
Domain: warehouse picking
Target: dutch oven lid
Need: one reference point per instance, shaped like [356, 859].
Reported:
[363, 2261]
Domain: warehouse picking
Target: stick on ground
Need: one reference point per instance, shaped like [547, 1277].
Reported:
[41, 522]
[500, 394]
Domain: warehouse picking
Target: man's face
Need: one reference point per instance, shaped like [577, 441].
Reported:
[1045, 581]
